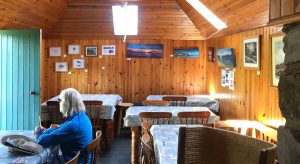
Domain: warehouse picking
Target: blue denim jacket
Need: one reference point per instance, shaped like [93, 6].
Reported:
[72, 136]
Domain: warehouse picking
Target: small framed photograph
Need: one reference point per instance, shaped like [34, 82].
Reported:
[73, 49]
[278, 56]
[78, 63]
[61, 66]
[91, 51]
[108, 49]
[54, 51]
[251, 56]
[210, 54]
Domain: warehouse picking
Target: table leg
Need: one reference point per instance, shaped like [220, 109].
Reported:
[109, 133]
[134, 144]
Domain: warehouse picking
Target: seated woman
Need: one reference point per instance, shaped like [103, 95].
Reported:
[75, 133]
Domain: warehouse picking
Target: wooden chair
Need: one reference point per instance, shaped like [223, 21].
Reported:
[210, 145]
[74, 160]
[156, 117]
[54, 112]
[94, 148]
[148, 155]
[93, 109]
[175, 100]
[145, 126]
[155, 103]
[193, 117]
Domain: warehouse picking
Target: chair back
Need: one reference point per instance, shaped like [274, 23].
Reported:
[94, 148]
[210, 145]
[93, 109]
[145, 126]
[74, 160]
[193, 117]
[156, 117]
[155, 103]
[148, 155]
[54, 112]
[175, 100]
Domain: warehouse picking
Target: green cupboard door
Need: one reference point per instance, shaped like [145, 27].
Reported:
[20, 79]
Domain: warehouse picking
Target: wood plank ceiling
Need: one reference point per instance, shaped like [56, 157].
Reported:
[158, 19]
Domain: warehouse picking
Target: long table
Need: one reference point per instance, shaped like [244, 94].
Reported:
[132, 120]
[106, 113]
[165, 139]
[194, 100]
[9, 157]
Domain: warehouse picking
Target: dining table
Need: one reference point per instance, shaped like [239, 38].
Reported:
[165, 142]
[106, 114]
[8, 156]
[194, 100]
[133, 121]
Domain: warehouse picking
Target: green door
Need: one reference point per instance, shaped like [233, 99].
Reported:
[20, 79]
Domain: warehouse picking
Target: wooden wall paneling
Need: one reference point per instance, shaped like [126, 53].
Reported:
[297, 6]
[275, 10]
[287, 7]
[253, 97]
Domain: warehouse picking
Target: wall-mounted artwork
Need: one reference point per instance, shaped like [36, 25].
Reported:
[144, 51]
[73, 49]
[54, 51]
[251, 52]
[186, 53]
[226, 57]
[91, 51]
[108, 49]
[78, 63]
[210, 54]
[277, 58]
[61, 66]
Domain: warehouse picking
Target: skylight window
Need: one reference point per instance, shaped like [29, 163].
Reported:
[125, 19]
[207, 14]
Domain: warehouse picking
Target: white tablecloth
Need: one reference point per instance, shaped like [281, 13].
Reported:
[8, 157]
[132, 117]
[194, 100]
[107, 110]
[165, 138]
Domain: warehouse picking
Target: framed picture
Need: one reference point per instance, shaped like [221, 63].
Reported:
[61, 66]
[277, 58]
[73, 49]
[226, 57]
[91, 51]
[108, 49]
[144, 51]
[251, 56]
[186, 53]
[210, 54]
[78, 63]
[54, 51]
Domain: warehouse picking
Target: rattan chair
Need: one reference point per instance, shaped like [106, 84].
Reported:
[148, 155]
[193, 117]
[93, 109]
[217, 146]
[156, 117]
[94, 148]
[155, 103]
[74, 160]
[55, 116]
[145, 126]
[175, 100]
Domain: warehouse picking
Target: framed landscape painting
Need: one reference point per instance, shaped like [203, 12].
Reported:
[186, 53]
[277, 58]
[91, 51]
[226, 57]
[144, 51]
[251, 52]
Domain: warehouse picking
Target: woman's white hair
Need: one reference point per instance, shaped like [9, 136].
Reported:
[71, 102]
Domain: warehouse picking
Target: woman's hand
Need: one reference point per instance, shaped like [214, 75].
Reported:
[54, 126]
